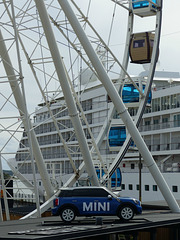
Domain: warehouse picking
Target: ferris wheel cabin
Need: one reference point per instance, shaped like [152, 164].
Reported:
[115, 179]
[141, 47]
[117, 136]
[131, 97]
[144, 8]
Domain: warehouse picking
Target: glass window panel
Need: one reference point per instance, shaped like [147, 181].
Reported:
[142, 4]
[117, 136]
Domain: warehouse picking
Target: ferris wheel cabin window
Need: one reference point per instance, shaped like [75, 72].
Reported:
[139, 43]
[142, 4]
[117, 136]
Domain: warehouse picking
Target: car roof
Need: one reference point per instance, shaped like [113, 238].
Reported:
[83, 187]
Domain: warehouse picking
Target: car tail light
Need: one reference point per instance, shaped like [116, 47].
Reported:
[56, 202]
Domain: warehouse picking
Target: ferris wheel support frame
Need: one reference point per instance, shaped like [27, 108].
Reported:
[120, 107]
[22, 110]
[62, 76]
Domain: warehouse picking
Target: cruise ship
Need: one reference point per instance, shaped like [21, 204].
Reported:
[159, 127]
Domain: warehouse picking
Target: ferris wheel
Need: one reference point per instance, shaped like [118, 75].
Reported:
[28, 29]
[141, 48]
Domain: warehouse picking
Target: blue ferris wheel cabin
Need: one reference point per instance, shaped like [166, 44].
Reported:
[117, 134]
[116, 177]
[117, 137]
[142, 4]
[130, 94]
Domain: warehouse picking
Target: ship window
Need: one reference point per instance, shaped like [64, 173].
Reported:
[165, 121]
[130, 187]
[156, 121]
[137, 187]
[124, 165]
[156, 105]
[165, 102]
[123, 186]
[156, 124]
[175, 188]
[132, 166]
[146, 187]
[173, 101]
[177, 120]
[147, 125]
[132, 111]
[155, 188]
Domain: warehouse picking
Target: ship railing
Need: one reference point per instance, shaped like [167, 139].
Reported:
[158, 88]
[164, 168]
[159, 126]
[156, 146]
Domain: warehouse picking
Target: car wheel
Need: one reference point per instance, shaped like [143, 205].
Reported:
[126, 213]
[67, 214]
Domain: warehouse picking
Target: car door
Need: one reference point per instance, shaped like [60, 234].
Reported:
[83, 201]
[107, 203]
[95, 202]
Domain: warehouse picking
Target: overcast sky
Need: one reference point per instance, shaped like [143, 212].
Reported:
[101, 16]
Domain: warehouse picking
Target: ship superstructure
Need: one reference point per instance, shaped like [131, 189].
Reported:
[160, 130]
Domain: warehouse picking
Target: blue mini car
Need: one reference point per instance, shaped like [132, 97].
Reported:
[93, 201]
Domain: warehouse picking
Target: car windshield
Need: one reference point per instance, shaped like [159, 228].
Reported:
[112, 194]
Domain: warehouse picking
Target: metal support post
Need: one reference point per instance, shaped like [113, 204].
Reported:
[140, 178]
[26, 115]
[1, 215]
[4, 192]
[62, 75]
[120, 107]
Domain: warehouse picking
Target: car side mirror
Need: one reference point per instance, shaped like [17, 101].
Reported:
[109, 197]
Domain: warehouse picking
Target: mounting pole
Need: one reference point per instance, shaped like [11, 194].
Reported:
[120, 107]
[4, 191]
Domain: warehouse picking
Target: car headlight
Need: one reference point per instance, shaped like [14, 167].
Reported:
[137, 201]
